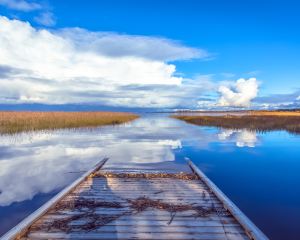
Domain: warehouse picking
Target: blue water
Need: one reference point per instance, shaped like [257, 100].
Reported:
[258, 171]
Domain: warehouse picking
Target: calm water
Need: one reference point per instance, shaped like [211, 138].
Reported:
[259, 172]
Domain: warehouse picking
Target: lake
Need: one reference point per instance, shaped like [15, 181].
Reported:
[259, 172]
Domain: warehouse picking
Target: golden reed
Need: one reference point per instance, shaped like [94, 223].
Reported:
[14, 122]
[253, 120]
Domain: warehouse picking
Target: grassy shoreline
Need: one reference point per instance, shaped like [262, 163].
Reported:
[255, 120]
[14, 122]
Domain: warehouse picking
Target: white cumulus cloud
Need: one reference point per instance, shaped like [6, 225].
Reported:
[79, 66]
[240, 94]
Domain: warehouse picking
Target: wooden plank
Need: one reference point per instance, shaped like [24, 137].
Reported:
[116, 196]
[162, 197]
[174, 229]
[196, 202]
[157, 223]
[137, 186]
[160, 220]
[166, 185]
[166, 229]
[145, 180]
[250, 228]
[148, 212]
[166, 196]
[27, 222]
[150, 215]
[93, 191]
[142, 188]
[150, 188]
[136, 235]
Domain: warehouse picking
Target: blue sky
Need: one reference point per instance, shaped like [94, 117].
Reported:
[251, 40]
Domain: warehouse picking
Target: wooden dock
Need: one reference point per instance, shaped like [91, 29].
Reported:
[110, 203]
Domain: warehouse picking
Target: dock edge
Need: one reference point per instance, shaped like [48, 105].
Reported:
[23, 226]
[250, 228]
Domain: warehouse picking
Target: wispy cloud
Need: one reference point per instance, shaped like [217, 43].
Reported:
[120, 45]
[43, 14]
[21, 5]
[45, 19]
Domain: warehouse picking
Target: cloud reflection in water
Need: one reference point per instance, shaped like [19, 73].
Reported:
[242, 137]
[41, 162]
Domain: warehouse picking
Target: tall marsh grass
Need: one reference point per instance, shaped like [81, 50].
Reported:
[254, 120]
[14, 122]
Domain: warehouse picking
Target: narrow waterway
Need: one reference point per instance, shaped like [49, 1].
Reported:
[258, 171]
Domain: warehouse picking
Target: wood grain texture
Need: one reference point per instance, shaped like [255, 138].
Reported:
[137, 208]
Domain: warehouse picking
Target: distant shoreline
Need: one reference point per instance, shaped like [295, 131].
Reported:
[253, 121]
[228, 111]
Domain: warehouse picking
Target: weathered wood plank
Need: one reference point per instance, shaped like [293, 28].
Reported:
[120, 186]
[165, 229]
[137, 235]
[190, 216]
[146, 192]
[137, 223]
[88, 195]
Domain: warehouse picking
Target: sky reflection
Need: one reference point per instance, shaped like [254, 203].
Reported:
[41, 162]
[44, 161]
[242, 137]
[35, 166]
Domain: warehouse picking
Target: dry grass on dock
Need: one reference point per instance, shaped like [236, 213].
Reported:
[180, 175]
[253, 120]
[14, 122]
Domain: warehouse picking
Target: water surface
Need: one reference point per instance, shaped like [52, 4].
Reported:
[258, 171]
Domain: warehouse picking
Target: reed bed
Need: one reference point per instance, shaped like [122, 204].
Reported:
[14, 122]
[254, 120]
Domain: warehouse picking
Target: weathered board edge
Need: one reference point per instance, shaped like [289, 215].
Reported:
[20, 228]
[251, 229]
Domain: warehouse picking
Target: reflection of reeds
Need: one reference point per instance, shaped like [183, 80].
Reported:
[258, 121]
[14, 122]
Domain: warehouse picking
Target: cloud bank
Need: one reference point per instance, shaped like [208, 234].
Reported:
[278, 101]
[239, 94]
[79, 66]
